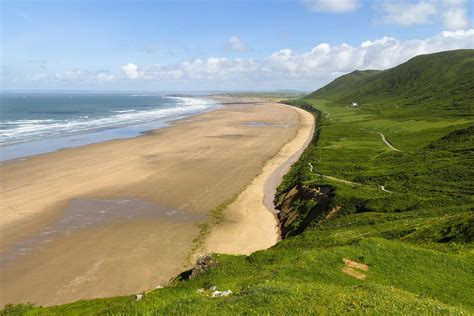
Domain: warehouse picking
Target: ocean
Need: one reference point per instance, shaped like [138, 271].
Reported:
[36, 123]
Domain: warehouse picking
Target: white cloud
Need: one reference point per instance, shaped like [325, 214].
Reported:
[455, 18]
[130, 70]
[79, 75]
[407, 13]
[105, 77]
[461, 35]
[215, 68]
[306, 70]
[453, 14]
[72, 75]
[236, 44]
[38, 77]
[284, 68]
[377, 54]
[454, 2]
[335, 6]
[284, 60]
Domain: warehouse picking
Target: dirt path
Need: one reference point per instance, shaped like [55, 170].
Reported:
[332, 178]
[311, 168]
[384, 190]
[384, 139]
[338, 180]
[355, 269]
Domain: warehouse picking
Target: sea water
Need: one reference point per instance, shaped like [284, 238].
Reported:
[35, 123]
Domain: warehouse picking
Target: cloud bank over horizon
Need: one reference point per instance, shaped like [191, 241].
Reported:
[284, 68]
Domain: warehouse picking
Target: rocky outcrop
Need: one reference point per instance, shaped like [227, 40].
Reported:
[203, 264]
[302, 205]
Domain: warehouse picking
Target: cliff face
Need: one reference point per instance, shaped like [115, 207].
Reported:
[301, 206]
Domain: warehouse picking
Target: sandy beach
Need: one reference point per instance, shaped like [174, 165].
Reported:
[250, 221]
[120, 217]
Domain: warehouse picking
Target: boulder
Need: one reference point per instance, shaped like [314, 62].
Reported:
[221, 294]
[203, 264]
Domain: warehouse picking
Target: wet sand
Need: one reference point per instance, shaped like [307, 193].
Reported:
[184, 170]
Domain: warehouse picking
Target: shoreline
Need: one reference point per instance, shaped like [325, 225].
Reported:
[251, 222]
[191, 167]
[9, 153]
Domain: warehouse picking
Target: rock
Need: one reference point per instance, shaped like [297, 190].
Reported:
[203, 264]
[216, 294]
[159, 287]
[221, 294]
[139, 297]
[201, 290]
[213, 288]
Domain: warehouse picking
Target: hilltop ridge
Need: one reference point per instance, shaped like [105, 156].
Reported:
[444, 79]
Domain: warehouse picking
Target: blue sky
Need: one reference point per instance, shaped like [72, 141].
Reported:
[209, 45]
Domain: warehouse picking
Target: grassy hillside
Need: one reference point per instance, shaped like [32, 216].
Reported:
[343, 85]
[441, 81]
[402, 214]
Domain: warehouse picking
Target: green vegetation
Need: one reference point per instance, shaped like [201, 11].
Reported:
[416, 239]
[214, 218]
[436, 81]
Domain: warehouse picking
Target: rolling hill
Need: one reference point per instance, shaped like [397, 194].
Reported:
[443, 79]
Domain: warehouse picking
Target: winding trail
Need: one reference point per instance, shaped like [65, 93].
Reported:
[384, 139]
[384, 190]
[311, 168]
[332, 178]
[382, 187]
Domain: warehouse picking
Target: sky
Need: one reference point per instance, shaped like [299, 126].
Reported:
[186, 45]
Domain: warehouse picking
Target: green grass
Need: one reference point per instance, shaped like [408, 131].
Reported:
[417, 241]
[293, 278]
[431, 176]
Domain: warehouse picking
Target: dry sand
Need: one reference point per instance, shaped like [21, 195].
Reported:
[191, 167]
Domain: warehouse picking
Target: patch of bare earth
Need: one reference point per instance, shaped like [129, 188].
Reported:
[332, 212]
[355, 269]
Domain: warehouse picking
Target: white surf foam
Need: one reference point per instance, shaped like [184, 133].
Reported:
[27, 130]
